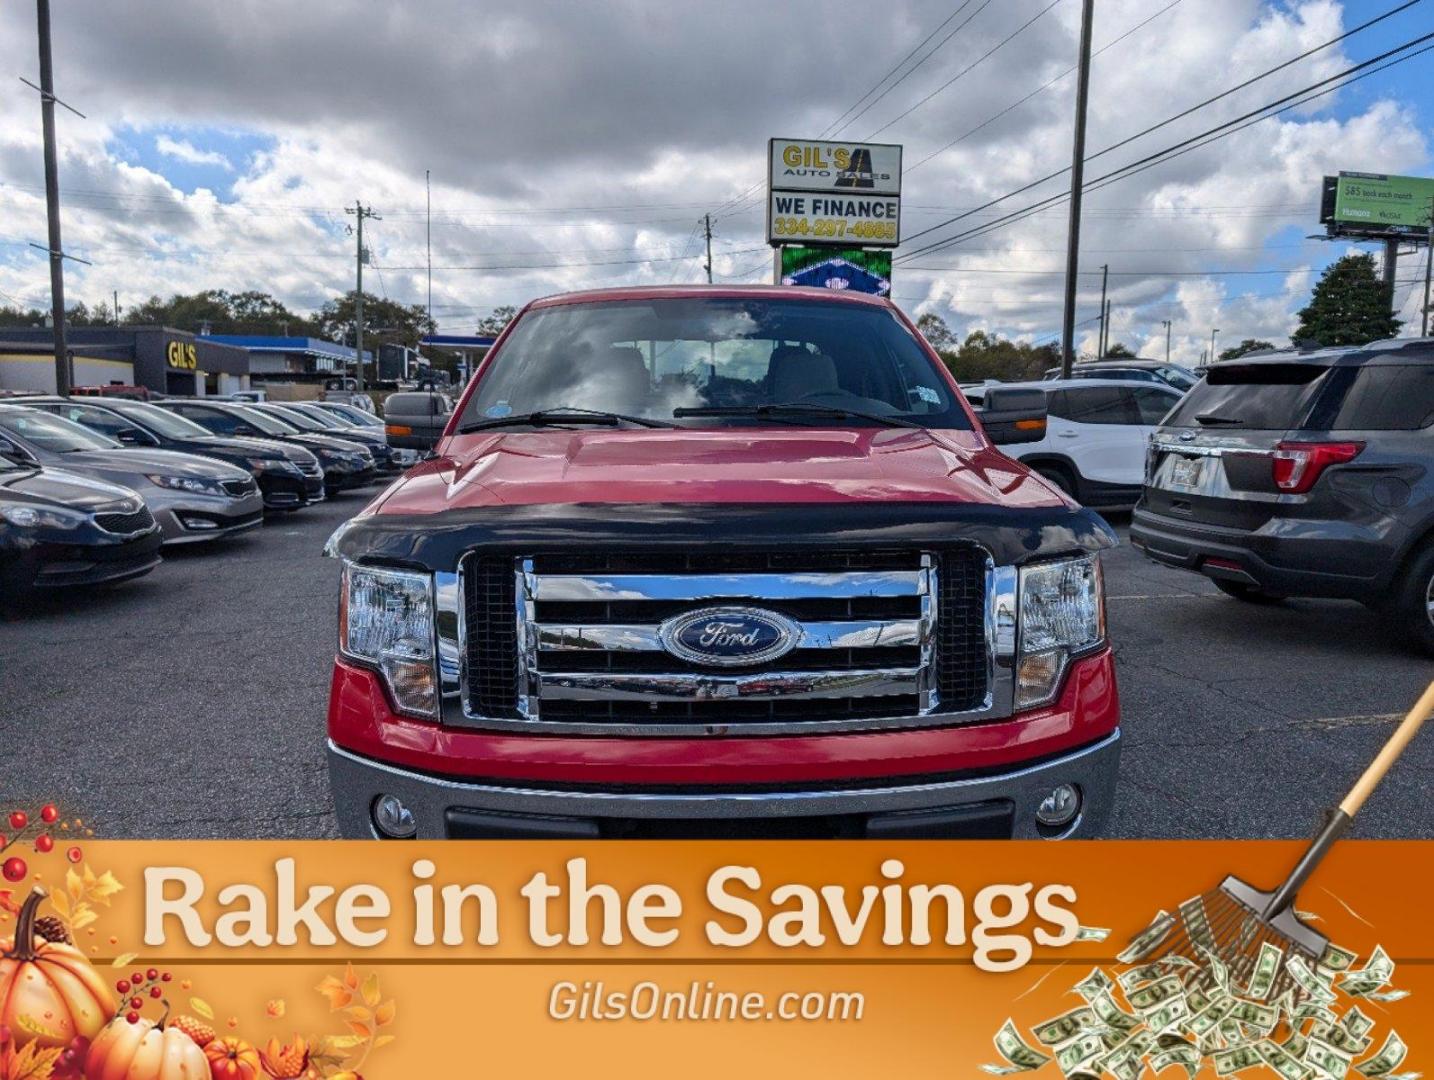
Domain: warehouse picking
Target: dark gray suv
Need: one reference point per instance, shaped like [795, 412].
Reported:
[1303, 473]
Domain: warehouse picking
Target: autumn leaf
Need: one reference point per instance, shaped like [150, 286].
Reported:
[84, 915]
[276, 1008]
[337, 993]
[202, 1007]
[384, 1014]
[61, 903]
[74, 885]
[371, 993]
[363, 1031]
[123, 959]
[359, 1013]
[383, 1040]
[334, 1044]
[103, 888]
[32, 1062]
[351, 979]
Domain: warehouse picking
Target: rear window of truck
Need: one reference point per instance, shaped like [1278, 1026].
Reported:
[1258, 396]
[1387, 398]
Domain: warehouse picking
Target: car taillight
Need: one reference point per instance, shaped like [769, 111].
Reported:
[1297, 465]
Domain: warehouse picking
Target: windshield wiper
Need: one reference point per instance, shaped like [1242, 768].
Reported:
[791, 407]
[1211, 420]
[564, 414]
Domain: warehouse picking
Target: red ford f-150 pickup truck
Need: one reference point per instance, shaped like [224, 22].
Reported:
[710, 562]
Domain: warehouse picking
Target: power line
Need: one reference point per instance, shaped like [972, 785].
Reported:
[1170, 120]
[1219, 131]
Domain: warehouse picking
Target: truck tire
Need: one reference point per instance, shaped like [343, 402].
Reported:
[1416, 599]
[1251, 594]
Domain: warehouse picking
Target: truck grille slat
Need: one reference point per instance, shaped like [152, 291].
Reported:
[569, 641]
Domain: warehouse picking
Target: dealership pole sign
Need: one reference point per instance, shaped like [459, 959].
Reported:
[1375, 206]
[833, 193]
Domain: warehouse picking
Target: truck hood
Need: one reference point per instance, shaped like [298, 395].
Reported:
[731, 465]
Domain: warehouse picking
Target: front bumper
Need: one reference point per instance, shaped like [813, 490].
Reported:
[976, 780]
[342, 478]
[191, 519]
[47, 564]
[1291, 557]
[289, 491]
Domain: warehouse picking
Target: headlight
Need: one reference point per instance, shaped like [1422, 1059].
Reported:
[1062, 615]
[186, 483]
[259, 464]
[33, 517]
[386, 619]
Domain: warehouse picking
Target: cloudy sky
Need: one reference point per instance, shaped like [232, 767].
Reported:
[579, 144]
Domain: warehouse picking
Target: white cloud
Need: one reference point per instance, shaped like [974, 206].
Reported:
[186, 151]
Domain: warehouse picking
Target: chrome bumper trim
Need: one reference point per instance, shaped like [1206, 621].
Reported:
[607, 686]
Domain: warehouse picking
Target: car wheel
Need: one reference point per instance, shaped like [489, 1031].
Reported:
[1060, 477]
[1417, 603]
[1251, 594]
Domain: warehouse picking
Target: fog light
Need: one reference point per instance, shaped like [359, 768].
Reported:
[198, 524]
[392, 819]
[1059, 807]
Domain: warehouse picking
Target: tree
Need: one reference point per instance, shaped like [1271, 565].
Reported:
[1350, 306]
[493, 324]
[384, 321]
[80, 314]
[1116, 351]
[934, 329]
[1249, 345]
[982, 356]
[223, 312]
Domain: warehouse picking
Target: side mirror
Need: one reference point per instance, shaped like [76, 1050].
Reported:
[133, 437]
[1014, 415]
[245, 429]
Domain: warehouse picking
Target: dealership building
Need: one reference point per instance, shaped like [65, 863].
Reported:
[292, 359]
[160, 358]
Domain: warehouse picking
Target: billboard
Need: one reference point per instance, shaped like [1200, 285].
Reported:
[1376, 205]
[837, 268]
[833, 193]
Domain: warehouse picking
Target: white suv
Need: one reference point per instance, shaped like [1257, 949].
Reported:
[1096, 435]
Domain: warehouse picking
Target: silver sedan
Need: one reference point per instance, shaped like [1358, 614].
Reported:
[193, 498]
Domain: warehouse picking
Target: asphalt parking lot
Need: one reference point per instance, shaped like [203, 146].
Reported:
[190, 703]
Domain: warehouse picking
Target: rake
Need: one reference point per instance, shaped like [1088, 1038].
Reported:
[1235, 920]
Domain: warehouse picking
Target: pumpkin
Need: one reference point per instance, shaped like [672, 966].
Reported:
[231, 1058]
[144, 1050]
[49, 993]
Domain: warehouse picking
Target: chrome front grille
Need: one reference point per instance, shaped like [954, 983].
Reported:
[570, 642]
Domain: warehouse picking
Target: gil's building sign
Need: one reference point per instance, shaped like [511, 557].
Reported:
[160, 358]
[844, 196]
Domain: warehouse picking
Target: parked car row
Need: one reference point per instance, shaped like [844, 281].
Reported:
[91, 488]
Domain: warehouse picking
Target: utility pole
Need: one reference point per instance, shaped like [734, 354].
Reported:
[1077, 183]
[116, 298]
[1166, 324]
[1428, 268]
[1105, 331]
[52, 201]
[1391, 266]
[1104, 311]
[707, 229]
[360, 211]
[428, 199]
[1212, 344]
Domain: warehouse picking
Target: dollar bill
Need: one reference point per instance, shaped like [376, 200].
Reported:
[1094, 984]
[1281, 1060]
[1081, 1051]
[1197, 923]
[1313, 1010]
[1267, 966]
[1208, 1019]
[1185, 1056]
[1236, 1059]
[1197, 999]
[1329, 1060]
[1296, 1044]
[1308, 981]
[1387, 995]
[1168, 1015]
[1112, 1015]
[1145, 973]
[1391, 1055]
[1336, 959]
[1217, 969]
[1020, 1056]
[1340, 1037]
[1151, 996]
[1375, 974]
[1149, 939]
[1067, 1026]
[1262, 1017]
[1355, 1022]
[1092, 933]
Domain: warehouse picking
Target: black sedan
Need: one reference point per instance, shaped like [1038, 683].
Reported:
[288, 476]
[57, 528]
[309, 417]
[346, 464]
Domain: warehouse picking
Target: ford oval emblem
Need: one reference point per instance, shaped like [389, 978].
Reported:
[729, 636]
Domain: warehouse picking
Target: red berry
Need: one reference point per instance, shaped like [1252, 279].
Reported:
[48, 814]
[132, 1017]
[136, 1003]
[122, 986]
[19, 819]
[14, 869]
[165, 977]
[152, 974]
[43, 843]
[74, 854]
[155, 991]
[137, 978]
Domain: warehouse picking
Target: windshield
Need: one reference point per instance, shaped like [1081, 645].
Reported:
[651, 358]
[1178, 377]
[267, 423]
[168, 424]
[325, 420]
[296, 417]
[53, 433]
